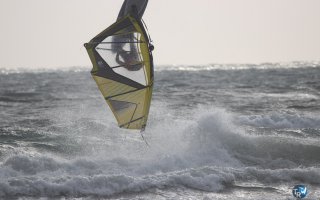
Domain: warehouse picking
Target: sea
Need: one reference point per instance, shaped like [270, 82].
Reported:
[216, 131]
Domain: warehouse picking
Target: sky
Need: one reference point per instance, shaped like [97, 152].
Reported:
[51, 33]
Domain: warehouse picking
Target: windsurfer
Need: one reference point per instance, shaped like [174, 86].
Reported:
[130, 59]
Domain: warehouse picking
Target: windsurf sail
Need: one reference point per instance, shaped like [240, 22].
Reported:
[123, 70]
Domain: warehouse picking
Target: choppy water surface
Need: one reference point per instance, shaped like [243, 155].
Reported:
[216, 132]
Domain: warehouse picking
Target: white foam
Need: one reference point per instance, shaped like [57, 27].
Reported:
[282, 120]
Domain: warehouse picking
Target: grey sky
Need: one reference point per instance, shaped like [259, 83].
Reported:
[51, 33]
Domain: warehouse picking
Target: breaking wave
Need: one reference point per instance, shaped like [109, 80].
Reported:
[210, 151]
[282, 120]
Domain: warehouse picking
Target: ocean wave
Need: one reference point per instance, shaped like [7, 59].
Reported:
[209, 151]
[59, 179]
[226, 132]
[21, 70]
[309, 175]
[282, 120]
[56, 179]
[208, 67]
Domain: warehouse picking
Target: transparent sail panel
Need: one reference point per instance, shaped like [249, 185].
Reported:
[123, 54]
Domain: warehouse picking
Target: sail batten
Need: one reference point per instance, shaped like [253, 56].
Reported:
[123, 70]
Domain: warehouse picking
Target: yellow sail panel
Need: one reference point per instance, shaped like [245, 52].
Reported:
[111, 88]
[123, 70]
[131, 107]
